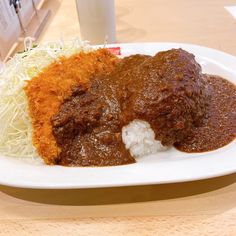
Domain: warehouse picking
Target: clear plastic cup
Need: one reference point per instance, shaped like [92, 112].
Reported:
[97, 20]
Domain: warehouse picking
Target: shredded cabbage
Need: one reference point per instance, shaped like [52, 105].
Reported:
[15, 124]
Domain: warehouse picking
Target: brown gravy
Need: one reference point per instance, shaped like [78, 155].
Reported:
[219, 128]
[192, 111]
[88, 125]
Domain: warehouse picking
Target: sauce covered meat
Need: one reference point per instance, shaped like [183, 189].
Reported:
[88, 125]
[48, 89]
[168, 90]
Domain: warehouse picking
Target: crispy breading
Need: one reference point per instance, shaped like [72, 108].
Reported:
[47, 91]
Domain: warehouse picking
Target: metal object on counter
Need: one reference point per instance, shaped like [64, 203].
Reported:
[29, 17]
[17, 5]
[9, 28]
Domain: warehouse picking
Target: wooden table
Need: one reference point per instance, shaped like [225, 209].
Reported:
[196, 208]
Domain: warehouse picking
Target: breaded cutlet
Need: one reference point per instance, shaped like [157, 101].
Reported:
[47, 91]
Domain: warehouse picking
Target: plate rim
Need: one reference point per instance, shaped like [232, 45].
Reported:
[28, 184]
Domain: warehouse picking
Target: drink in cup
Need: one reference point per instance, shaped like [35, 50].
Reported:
[97, 20]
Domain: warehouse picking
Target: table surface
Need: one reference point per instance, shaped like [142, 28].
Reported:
[205, 207]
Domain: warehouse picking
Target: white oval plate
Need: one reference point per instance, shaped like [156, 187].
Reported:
[165, 167]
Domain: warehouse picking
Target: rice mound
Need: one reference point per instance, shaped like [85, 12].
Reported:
[139, 138]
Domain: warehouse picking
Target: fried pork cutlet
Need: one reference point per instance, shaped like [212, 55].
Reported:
[47, 91]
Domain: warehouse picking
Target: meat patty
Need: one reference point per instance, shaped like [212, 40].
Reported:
[170, 92]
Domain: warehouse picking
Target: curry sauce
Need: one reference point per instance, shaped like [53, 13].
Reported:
[83, 124]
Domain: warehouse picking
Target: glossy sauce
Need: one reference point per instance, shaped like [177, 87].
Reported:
[185, 108]
[219, 128]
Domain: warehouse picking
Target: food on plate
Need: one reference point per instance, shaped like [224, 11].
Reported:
[15, 123]
[95, 109]
[47, 91]
[139, 138]
[167, 90]
[219, 128]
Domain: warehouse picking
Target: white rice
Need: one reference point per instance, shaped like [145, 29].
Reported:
[139, 138]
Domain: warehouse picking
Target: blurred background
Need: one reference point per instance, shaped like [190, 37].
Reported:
[186, 21]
